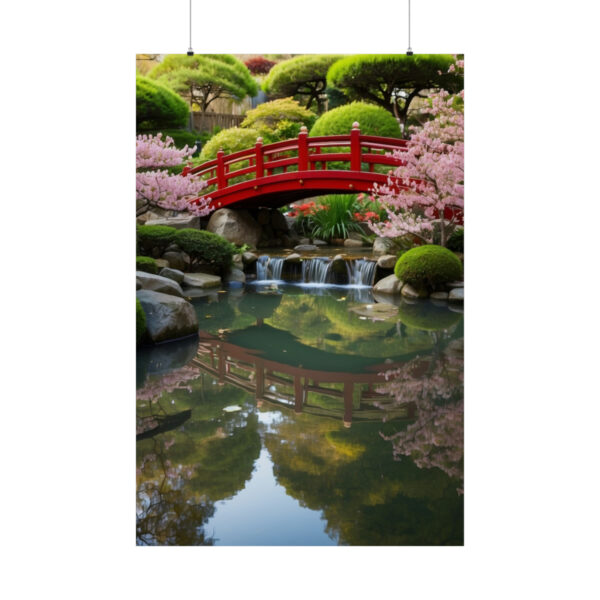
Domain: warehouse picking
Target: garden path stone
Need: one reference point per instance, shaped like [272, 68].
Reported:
[457, 295]
[173, 274]
[190, 222]
[201, 280]
[167, 317]
[389, 285]
[157, 283]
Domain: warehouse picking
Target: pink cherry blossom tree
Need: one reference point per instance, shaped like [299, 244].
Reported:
[428, 188]
[156, 186]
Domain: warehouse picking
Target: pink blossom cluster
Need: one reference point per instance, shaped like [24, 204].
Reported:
[428, 187]
[159, 187]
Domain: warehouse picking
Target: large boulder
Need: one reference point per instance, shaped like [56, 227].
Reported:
[388, 285]
[235, 276]
[201, 280]
[157, 283]
[387, 261]
[278, 221]
[236, 226]
[167, 317]
[173, 274]
[177, 260]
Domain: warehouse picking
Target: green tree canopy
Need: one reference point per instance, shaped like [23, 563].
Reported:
[304, 76]
[157, 107]
[279, 119]
[203, 78]
[392, 80]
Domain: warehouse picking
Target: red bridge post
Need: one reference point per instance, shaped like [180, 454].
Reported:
[260, 168]
[355, 147]
[221, 181]
[303, 149]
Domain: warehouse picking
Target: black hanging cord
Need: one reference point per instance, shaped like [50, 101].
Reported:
[409, 52]
[190, 52]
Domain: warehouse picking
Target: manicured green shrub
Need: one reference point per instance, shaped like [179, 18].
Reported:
[373, 120]
[206, 247]
[428, 266]
[456, 240]
[140, 321]
[231, 140]
[154, 236]
[158, 106]
[279, 119]
[146, 264]
[427, 316]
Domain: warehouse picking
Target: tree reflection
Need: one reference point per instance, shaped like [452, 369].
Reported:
[434, 385]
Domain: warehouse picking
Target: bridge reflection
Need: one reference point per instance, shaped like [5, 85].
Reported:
[332, 394]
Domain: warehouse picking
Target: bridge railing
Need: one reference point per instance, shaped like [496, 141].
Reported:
[355, 152]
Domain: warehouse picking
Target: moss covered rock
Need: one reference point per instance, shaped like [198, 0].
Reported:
[428, 267]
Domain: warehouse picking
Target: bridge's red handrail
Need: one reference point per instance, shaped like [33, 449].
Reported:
[306, 155]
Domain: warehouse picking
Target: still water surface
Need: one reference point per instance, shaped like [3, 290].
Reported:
[303, 416]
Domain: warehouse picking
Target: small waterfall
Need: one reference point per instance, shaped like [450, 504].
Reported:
[316, 270]
[261, 267]
[361, 271]
[276, 265]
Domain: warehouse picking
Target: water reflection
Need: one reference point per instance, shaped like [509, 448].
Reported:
[356, 411]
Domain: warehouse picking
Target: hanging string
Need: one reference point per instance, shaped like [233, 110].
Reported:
[409, 52]
[190, 52]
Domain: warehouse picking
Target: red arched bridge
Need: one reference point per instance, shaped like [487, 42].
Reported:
[274, 175]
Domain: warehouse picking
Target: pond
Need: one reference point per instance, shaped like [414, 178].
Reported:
[303, 415]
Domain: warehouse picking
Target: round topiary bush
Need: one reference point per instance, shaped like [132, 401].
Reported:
[206, 247]
[428, 266]
[157, 106]
[231, 140]
[140, 321]
[373, 120]
[154, 236]
[146, 264]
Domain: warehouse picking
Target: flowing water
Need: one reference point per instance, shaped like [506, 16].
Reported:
[303, 415]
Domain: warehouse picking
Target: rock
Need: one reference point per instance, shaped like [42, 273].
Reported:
[457, 295]
[249, 258]
[350, 243]
[141, 206]
[293, 258]
[201, 280]
[187, 222]
[455, 284]
[439, 295]
[157, 283]
[173, 274]
[337, 241]
[457, 308]
[162, 263]
[354, 235]
[237, 260]
[383, 245]
[395, 299]
[408, 291]
[389, 285]
[235, 276]
[304, 241]
[289, 221]
[177, 260]
[138, 284]
[305, 247]
[236, 226]
[319, 243]
[167, 317]
[387, 261]
[338, 264]
[278, 221]
[263, 216]
[172, 248]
